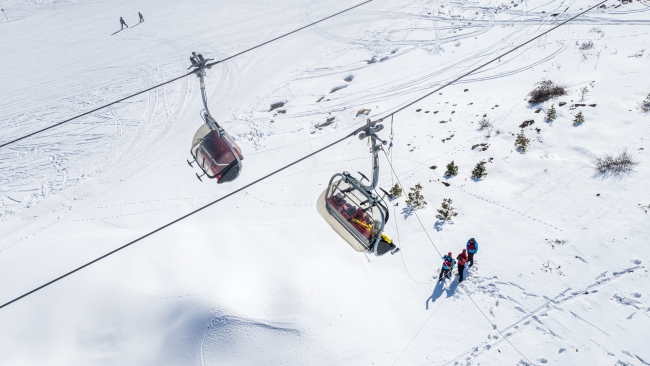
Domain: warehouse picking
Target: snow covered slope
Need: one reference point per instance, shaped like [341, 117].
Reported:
[260, 278]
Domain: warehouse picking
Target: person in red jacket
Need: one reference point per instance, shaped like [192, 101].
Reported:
[462, 259]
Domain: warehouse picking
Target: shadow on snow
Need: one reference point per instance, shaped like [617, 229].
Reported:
[440, 289]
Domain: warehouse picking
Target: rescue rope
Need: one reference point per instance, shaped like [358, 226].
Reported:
[460, 285]
[395, 211]
[414, 211]
[273, 173]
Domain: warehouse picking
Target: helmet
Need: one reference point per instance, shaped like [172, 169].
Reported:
[472, 240]
[464, 250]
[449, 254]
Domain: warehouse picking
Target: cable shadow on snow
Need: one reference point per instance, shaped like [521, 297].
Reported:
[117, 32]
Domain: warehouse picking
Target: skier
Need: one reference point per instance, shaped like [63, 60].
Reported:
[141, 17]
[472, 248]
[462, 259]
[447, 265]
[123, 23]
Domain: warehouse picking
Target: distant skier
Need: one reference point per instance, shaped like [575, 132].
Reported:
[123, 23]
[462, 259]
[472, 248]
[447, 266]
[141, 17]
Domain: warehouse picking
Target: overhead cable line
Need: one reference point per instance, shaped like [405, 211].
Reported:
[286, 34]
[179, 77]
[183, 217]
[491, 61]
[436, 248]
[93, 110]
[265, 177]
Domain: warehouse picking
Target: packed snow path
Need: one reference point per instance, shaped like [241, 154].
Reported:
[261, 279]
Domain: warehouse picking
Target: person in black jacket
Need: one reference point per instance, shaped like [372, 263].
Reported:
[141, 17]
[462, 259]
[123, 23]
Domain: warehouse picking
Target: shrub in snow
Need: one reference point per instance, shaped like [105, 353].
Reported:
[415, 199]
[447, 212]
[551, 113]
[587, 45]
[578, 119]
[479, 170]
[545, 90]
[645, 105]
[521, 142]
[452, 169]
[622, 162]
[395, 191]
[484, 123]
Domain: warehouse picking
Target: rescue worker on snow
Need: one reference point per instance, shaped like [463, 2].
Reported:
[462, 259]
[141, 17]
[447, 266]
[123, 23]
[472, 248]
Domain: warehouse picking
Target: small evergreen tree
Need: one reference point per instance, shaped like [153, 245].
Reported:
[395, 191]
[447, 212]
[479, 170]
[452, 169]
[415, 199]
[579, 119]
[551, 114]
[521, 143]
[583, 92]
[645, 105]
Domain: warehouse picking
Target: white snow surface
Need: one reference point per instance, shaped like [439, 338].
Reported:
[260, 278]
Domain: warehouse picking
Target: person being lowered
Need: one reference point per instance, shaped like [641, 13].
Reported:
[472, 248]
[372, 231]
[123, 23]
[447, 265]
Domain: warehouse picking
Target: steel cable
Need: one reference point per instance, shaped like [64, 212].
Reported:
[276, 171]
[179, 77]
[462, 286]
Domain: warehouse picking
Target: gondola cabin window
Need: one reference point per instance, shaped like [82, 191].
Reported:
[351, 209]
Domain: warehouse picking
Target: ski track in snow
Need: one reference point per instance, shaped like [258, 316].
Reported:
[530, 317]
[44, 180]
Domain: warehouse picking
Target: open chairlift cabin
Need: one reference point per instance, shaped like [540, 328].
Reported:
[213, 150]
[352, 209]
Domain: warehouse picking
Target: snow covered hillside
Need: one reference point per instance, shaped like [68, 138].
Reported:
[260, 278]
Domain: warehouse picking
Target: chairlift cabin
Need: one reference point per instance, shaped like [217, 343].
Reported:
[213, 149]
[353, 210]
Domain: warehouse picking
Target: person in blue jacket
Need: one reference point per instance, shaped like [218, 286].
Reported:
[472, 248]
[447, 265]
